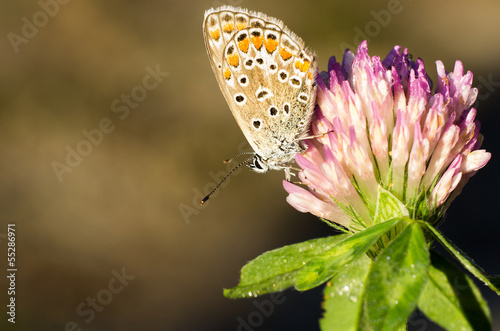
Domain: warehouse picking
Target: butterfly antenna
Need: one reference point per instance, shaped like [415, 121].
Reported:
[231, 160]
[205, 199]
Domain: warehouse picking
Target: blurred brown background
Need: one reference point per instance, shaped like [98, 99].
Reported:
[130, 204]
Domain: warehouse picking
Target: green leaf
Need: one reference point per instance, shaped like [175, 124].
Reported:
[344, 296]
[493, 282]
[451, 299]
[322, 268]
[276, 270]
[388, 206]
[395, 281]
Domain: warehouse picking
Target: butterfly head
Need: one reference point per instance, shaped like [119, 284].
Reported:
[258, 164]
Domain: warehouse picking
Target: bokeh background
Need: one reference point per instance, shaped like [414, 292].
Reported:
[131, 203]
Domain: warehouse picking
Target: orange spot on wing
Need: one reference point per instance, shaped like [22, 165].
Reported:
[302, 66]
[271, 45]
[215, 34]
[227, 73]
[244, 44]
[257, 42]
[309, 75]
[241, 26]
[305, 66]
[285, 55]
[233, 60]
[228, 27]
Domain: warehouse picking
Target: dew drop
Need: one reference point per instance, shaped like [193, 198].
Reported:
[346, 288]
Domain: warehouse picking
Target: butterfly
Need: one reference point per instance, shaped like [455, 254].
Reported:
[267, 77]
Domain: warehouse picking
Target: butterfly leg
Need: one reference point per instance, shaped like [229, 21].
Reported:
[287, 174]
[315, 136]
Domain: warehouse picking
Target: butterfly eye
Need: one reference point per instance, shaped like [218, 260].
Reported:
[257, 164]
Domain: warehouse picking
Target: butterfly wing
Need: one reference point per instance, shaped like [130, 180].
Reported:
[266, 76]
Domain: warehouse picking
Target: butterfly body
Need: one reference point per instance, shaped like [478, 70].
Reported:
[267, 77]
